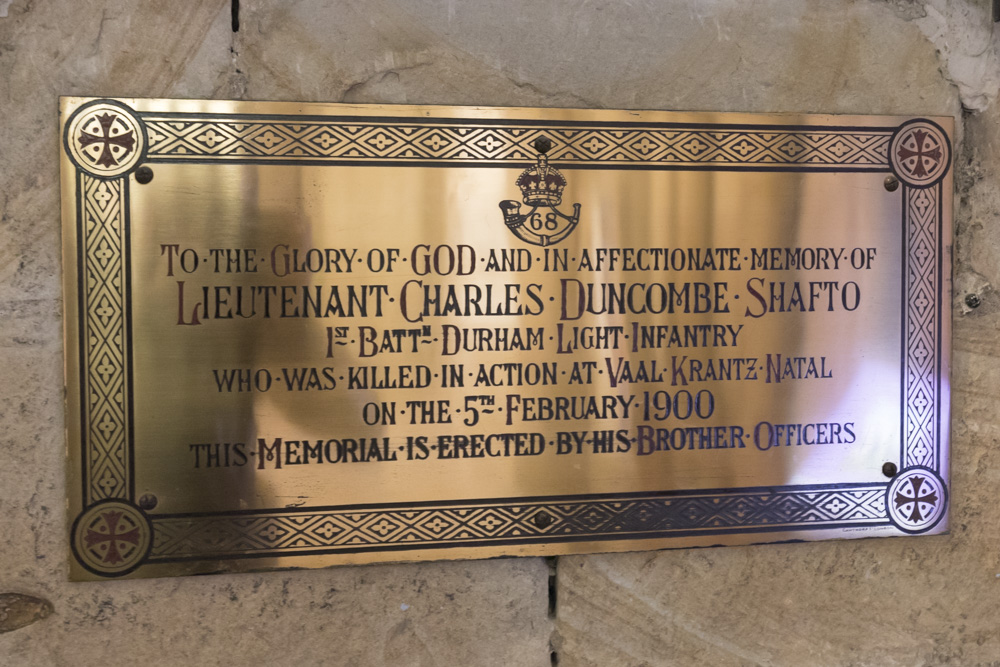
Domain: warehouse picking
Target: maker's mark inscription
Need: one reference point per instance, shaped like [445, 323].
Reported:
[541, 186]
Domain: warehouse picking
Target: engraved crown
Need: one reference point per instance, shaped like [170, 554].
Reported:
[541, 184]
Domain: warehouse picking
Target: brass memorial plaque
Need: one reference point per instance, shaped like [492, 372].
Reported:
[300, 335]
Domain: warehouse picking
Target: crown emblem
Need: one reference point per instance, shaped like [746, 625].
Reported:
[542, 188]
[541, 184]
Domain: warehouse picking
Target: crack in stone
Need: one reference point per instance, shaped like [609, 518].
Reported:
[548, 94]
[378, 77]
[236, 81]
[95, 47]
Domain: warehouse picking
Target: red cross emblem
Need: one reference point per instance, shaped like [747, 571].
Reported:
[927, 497]
[112, 538]
[922, 150]
[123, 140]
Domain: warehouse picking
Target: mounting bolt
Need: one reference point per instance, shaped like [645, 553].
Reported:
[143, 175]
[543, 519]
[972, 300]
[891, 183]
[542, 144]
[148, 502]
[889, 469]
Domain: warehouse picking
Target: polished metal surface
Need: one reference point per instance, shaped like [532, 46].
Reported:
[300, 335]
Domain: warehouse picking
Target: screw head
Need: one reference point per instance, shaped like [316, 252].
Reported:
[973, 300]
[143, 175]
[148, 502]
[891, 183]
[889, 469]
[543, 519]
[542, 144]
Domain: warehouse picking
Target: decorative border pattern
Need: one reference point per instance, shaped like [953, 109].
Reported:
[478, 524]
[102, 205]
[105, 394]
[487, 142]
[921, 317]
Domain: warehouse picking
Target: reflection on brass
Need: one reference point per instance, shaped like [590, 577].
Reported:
[314, 339]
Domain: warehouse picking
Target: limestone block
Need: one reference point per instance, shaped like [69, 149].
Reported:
[91, 47]
[47, 50]
[719, 55]
[462, 613]
[490, 613]
[900, 601]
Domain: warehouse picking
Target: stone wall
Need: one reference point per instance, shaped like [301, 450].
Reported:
[931, 600]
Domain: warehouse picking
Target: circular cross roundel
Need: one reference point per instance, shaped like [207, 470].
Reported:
[916, 500]
[112, 538]
[105, 139]
[920, 153]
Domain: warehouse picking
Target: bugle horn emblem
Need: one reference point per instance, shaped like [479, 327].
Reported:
[541, 186]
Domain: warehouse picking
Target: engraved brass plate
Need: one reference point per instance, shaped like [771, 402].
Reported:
[300, 335]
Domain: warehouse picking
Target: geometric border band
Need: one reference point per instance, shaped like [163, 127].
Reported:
[431, 141]
[521, 521]
[105, 393]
